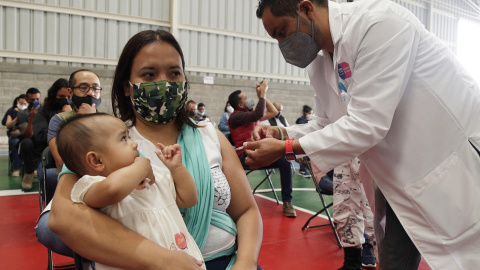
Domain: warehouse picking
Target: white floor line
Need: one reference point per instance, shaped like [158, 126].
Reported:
[11, 192]
[296, 207]
[279, 189]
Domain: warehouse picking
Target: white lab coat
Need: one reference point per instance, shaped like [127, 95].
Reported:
[412, 115]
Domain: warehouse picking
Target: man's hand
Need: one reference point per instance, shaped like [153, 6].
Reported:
[86, 109]
[264, 152]
[66, 108]
[262, 132]
[144, 165]
[33, 111]
[261, 89]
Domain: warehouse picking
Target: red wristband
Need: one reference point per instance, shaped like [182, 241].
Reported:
[289, 154]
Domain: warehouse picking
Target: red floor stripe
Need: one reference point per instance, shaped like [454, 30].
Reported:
[285, 245]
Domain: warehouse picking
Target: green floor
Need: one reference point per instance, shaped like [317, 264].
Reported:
[307, 199]
[10, 182]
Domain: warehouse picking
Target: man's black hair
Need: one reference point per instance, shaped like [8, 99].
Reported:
[281, 8]
[71, 80]
[234, 99]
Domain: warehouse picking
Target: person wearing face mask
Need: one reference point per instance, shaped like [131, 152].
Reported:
[58, 100]
[149, 94]
[202, 115]
[25, 125]
[383, 93]
[223, 125]
[306, 116]
[85, 91]
[13, 132]
[242, 122]
[191, 108]
[278, 120]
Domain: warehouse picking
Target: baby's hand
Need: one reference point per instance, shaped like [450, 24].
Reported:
[170, 155]
[145, 165]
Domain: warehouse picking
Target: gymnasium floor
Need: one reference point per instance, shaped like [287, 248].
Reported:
[285, 245]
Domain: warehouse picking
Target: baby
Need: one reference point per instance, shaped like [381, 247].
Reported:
[124, 185]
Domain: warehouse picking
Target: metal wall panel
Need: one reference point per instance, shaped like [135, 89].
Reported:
[219, 37]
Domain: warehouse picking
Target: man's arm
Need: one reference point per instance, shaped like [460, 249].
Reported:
[271, 111]
[241, 118]
[28, 129]
[53, 128]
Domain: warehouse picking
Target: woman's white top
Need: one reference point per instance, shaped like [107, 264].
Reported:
[217, 239]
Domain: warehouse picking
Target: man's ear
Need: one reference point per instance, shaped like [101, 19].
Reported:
[307, 8]
[94, 161]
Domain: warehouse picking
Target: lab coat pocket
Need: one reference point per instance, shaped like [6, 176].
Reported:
[448, 199]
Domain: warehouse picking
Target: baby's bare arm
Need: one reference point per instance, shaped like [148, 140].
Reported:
[185, 186]
[118, 184]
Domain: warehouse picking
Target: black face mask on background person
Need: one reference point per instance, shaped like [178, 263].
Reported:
[87, 99]
[191, 113]
[60, 102]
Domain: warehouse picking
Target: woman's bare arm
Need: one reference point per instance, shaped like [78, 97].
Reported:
[243, 208]
[98, 237]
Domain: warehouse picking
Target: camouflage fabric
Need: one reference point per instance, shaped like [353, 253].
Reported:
[159, 102]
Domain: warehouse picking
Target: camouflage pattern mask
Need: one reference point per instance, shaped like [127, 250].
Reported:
[159, 102]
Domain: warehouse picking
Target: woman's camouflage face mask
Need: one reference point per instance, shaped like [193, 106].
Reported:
[159, 102]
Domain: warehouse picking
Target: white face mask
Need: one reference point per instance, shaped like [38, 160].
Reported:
[309, 116]
[21, 107]
[229, 109]
[202, 113]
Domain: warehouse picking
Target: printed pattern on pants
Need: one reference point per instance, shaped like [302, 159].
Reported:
[351, 210]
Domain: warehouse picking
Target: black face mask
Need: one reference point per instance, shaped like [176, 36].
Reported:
[191, 113]
[60, 102]
[87, 99]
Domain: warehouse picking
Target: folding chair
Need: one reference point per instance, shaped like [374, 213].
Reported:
[268, 172]
[47, 163]
[305, 162]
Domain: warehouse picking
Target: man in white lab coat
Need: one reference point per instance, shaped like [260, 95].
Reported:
[393, 94]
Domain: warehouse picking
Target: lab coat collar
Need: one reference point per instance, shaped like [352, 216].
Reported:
[335, 21]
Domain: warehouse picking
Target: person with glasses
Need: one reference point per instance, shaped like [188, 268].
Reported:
[85, 86]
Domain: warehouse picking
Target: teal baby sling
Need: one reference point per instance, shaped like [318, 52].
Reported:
[199, 217]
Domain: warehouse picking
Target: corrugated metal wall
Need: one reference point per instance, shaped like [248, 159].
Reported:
[219, 37]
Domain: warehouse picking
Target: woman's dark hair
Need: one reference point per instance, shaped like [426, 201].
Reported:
[306, 109]
[52, 93]
[226, 105]
[121, 104]
[14, 105]
[281, 8]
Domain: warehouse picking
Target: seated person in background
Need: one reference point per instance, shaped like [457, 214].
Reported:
[29, 155]
[130, 190]
[13, 132]
[191, 109]
[202, 116]
[85, 88]
[58, 100]
[223, 125]
[242, 122]
[306, 116]
[278, 120]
